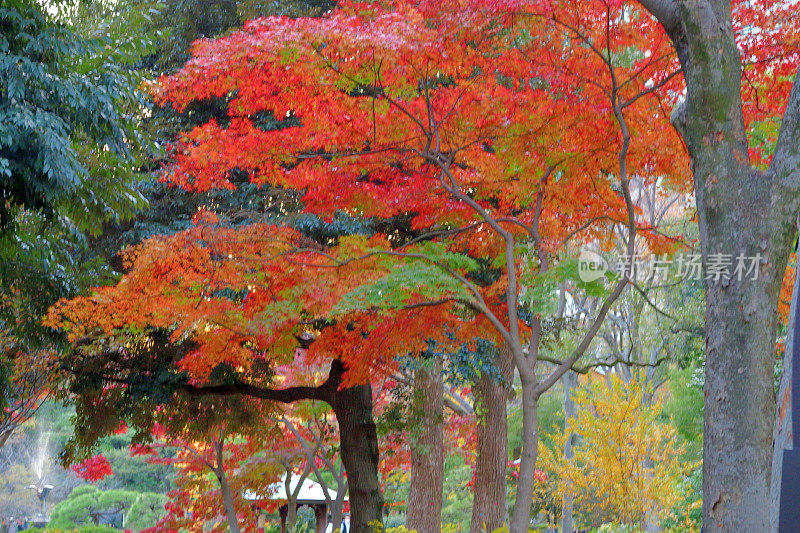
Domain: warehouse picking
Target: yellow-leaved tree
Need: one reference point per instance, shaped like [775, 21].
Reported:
[626, 466]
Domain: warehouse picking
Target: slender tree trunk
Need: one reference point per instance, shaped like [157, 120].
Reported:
[424, 513]
[489, 510]
[336, 511]
[782, 436]
[227, 499]
[521, 518]
[227, 495]
[291, 515]
[570, 381]
[4, 437]
[359, 452]
[337, 505]
[292, 495]
[291, 499]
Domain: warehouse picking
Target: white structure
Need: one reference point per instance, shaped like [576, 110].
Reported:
[310, 493]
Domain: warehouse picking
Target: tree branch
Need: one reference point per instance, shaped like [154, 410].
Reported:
[322, 392]
[666, 12]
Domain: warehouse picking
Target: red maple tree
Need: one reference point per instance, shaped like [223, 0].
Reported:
[477, 123]
[500, 130]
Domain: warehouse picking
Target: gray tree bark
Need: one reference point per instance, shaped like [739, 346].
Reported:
[291, 496]
[291, 516]
[520, 520]
[741, 211]
[337, 507]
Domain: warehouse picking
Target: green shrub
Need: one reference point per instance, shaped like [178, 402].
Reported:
[146, 511]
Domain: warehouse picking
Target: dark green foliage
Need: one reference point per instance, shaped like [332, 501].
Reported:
[146, 367]
[470, 361]
[60, 105]
[133, 472]
[684, 407]
[184, 21]
[69, 151]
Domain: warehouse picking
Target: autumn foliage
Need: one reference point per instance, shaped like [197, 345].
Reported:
[93, 469]
[626, 463]
[481, 139]
[244, 295]
[345, 108]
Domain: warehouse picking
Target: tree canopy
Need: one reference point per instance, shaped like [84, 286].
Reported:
[373, 196]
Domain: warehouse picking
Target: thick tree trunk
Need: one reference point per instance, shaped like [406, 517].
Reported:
[521, 518]
[739, 403]
[489, 510]
[424, 513]
[740, 314]
[782, 435]
[570, 381]
[359, 452]
[745, 213]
